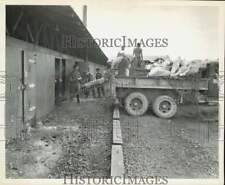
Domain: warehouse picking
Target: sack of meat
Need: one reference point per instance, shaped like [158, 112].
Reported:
[160, 68]
[158, 71]
[188, 68]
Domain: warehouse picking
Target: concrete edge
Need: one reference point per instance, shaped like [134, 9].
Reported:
[117, 134]
[117, 161]
[116, 113]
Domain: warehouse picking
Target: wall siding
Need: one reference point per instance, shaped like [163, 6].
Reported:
[45, 80]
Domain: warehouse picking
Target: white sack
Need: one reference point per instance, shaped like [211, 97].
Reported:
[158, 71]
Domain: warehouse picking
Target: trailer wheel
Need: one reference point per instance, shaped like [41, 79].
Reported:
[164, 106]
[136, 104]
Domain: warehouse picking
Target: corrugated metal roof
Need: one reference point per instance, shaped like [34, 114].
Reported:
[49, 26]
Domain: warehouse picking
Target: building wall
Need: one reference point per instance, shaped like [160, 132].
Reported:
[44, 80]
[13, 95]
[44, 75]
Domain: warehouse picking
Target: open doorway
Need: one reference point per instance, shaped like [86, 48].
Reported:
[57, 80]
[63, 77]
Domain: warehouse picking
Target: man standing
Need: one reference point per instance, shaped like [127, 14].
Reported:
[100, 88]
[98, 75]
[89, 78]
[138, 56]
[108, 76]
[75, 79]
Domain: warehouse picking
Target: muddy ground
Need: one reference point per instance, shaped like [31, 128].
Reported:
[183, 147]
[72, 139]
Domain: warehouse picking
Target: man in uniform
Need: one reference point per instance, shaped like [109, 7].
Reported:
[108, 76]
[89, 77]
[75, 79]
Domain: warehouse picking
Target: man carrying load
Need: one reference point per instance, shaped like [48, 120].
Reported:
[100, 87]
[74, 80]
[123, 63]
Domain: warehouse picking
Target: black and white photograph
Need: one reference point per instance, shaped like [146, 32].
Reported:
[112, 92]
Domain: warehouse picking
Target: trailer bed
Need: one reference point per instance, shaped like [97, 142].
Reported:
[161, 83]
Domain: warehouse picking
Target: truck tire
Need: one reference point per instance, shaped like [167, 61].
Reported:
[136, 104]
[164, 106]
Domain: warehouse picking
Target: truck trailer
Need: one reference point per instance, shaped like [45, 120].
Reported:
[163, 95]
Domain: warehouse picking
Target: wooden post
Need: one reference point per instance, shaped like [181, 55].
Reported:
[85, 15]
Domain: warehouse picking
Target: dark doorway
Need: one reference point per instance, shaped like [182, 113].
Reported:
[60, 79]
[63, 77]
[57, 80]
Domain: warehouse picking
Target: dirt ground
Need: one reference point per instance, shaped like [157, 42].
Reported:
[183, 147]
[77, 139]
[72, 139]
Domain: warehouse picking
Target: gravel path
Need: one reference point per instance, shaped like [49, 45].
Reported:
[183, 147]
